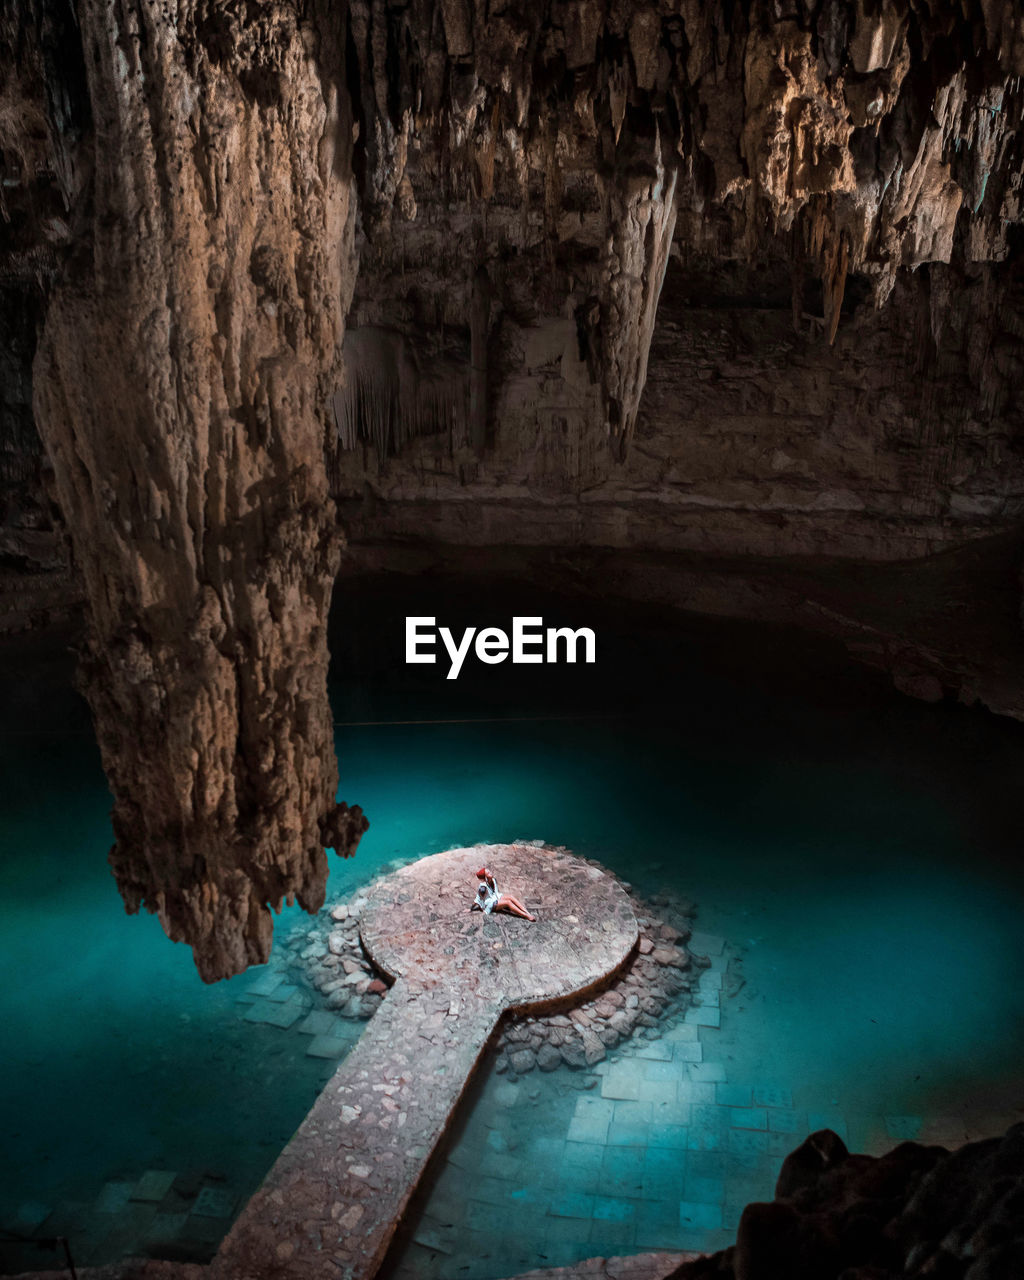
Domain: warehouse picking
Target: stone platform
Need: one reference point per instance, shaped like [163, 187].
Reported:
[330, 1204]
[417, 924]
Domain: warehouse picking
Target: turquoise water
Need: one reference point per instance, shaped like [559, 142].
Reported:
[884, 942]
[856, 850]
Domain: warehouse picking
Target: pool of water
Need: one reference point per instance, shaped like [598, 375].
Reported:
[855, 852]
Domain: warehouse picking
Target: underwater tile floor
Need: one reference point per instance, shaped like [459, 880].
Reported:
[631, 1155]
[659, 1147]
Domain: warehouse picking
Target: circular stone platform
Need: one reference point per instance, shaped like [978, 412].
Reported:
[417, 924]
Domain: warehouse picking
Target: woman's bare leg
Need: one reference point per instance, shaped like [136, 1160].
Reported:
[514, 906]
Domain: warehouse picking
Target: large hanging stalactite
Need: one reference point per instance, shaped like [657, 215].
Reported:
[180, 388]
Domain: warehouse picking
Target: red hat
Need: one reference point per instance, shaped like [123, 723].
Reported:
[482, 873]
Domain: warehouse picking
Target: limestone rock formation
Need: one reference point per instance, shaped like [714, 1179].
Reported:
[916, 1211]
[185, 361]
[839, 327]
[834, 191]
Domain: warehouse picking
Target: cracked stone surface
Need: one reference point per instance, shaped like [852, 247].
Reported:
[330, 1205]
[418, 921]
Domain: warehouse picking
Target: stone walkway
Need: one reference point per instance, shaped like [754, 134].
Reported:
[330, 1205]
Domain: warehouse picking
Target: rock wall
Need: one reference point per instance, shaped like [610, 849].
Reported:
[751, 440]
[43, 111]
[830, 366]
[28, 540]
[37, 584]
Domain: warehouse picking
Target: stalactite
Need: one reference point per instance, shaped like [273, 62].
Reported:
[837, 263]
[830, 247]
[486, 153]
[479, 331]
[642, 221]
[387, 400]
[179, 388]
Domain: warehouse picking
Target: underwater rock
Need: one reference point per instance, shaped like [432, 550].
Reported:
[522, 1060]
[548, 1057]
[574, 1054]
[593, 1047]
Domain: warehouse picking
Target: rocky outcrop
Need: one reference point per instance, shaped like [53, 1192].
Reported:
[179, 388]
[916, 1211]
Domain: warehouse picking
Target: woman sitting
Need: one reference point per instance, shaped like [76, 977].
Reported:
[488, 898]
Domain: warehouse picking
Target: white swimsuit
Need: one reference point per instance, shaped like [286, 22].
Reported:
[486, 897]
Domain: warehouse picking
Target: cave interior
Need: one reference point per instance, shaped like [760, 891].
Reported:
[699, 324]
